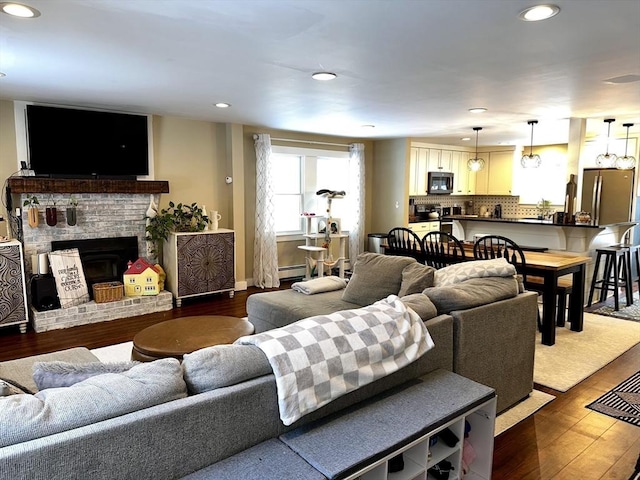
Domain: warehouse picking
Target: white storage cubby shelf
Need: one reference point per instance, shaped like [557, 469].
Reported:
[419, 457]
[313, 237]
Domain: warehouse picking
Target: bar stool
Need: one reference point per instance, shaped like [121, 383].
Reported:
[615, 274]
[633, 254]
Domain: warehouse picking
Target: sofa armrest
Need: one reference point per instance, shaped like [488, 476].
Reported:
[494, 345]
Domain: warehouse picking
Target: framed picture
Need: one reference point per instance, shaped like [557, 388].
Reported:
[335, 227]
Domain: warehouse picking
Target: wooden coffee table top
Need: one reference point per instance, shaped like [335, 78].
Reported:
[174, 338]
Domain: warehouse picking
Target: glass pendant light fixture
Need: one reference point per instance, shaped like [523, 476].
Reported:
[531, 160]
[607, 160]
[628, 161]
[476, 163]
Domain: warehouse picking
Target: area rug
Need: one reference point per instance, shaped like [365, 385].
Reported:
[622, 402]
[120, 352]
[522, 410]
[576, 355]
[632, 312]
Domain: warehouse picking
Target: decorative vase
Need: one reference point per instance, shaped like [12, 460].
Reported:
[51, 215]
[72, 218]
[33, 217]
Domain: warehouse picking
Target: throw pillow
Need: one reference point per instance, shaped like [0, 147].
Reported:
[472, 293]
[415, 278]
[375, 277]
[222, 366]
[9, 387]
[421, 304]
[65, 374]
[27, 417]
[459, 272]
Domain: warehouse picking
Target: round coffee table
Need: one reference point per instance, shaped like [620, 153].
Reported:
[174, 338]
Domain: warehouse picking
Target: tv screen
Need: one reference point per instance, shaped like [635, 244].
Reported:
[66, 142]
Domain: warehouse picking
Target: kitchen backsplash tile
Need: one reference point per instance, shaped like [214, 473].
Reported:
[510, 206]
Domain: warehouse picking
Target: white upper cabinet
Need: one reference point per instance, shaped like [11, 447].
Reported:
[418, 161]
[496, 178]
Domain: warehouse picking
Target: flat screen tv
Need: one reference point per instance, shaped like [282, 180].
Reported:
[72, 143]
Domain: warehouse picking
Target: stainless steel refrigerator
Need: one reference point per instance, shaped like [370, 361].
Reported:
[607, 194]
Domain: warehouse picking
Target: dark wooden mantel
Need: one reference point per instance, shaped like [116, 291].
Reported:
[59, 185]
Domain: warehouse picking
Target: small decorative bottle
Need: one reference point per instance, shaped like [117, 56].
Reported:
[204, 214]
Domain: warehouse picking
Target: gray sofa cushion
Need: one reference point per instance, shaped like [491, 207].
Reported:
[472, 293]
[21, 370]
[65, 374]
[415, 278]
[375, 277]
[223, 365]
[421, 304]
[26, 417]
[460, 272]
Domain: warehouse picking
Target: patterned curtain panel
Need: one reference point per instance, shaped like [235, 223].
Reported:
[265, 249]
[356, 199]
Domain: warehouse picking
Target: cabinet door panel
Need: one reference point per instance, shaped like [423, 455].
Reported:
[12, 299]
[205, 263]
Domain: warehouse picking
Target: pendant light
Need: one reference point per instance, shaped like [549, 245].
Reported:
[628, 161]
[476, 163]
[607, 160]
[531, 160]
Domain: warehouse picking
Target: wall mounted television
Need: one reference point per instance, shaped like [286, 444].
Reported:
[73, 143]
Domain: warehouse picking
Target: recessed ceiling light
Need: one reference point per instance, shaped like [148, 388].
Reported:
[539, 12]
[2, 74]
[222, 105]
[19, 10]
[367, 126]
[477, 110]
[623, 79]
[465, 139]
[323, 76]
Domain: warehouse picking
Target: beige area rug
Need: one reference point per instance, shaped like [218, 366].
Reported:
[122, 353]
[522, 410]
[577, 355]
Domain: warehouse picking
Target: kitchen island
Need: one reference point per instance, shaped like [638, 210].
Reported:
[579, 239]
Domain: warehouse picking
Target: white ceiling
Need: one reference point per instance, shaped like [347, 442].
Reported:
[409, 67]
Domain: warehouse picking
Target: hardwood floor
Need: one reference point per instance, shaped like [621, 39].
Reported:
[563, 440]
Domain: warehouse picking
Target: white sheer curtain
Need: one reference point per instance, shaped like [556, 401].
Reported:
[356, 200]
[265, 248]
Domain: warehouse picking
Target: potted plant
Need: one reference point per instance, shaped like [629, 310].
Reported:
[51, 214]
[72, 214]
[175, 218]
[31, 202]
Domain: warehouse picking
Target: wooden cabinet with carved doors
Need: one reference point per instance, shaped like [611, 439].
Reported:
[13, 292]
[199, 263]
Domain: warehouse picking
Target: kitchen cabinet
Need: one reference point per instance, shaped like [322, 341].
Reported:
[496, 178]
[199, 263]
[422, 228]
[418, 166]
[439, 160]
[464, 181]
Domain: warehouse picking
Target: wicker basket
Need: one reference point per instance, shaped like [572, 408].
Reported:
[107, 292]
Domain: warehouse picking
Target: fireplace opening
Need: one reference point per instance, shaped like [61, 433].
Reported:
[103, 259]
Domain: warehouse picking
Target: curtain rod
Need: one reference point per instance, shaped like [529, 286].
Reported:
[312, 142]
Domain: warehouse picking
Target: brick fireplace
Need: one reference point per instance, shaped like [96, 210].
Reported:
[100, 214]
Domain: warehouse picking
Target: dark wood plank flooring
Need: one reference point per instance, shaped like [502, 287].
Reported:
[564, 440]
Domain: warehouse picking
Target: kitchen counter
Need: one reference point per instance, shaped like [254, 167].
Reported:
[529, 221]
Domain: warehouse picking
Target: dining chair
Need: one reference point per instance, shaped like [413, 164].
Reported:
[496, 246]
[442, 249]
[404, 242]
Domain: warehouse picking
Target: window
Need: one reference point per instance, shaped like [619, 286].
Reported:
[298, 174]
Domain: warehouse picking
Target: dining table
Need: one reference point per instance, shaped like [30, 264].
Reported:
[550, 266]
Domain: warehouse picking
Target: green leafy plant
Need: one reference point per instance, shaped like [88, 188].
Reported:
[31, 201]
[73, 202]
[176, 218]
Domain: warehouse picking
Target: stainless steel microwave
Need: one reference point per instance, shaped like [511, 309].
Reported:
[440, 183]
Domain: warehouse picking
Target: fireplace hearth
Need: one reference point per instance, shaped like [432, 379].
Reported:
[103, 259]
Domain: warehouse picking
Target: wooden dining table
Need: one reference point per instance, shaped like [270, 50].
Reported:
[550, 266]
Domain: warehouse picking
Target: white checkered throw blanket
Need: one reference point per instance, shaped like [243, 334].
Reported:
[318, 359]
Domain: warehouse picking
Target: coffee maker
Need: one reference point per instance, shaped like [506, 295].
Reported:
[497, 211]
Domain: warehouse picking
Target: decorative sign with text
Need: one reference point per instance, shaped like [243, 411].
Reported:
[70, 282]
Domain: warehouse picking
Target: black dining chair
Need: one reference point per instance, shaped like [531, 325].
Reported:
[442, 249]
[404, 242]
[495, 246]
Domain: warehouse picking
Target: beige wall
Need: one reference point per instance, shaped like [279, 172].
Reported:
[8, 154]
[390, 184]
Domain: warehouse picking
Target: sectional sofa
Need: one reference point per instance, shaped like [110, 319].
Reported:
[199, 419]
